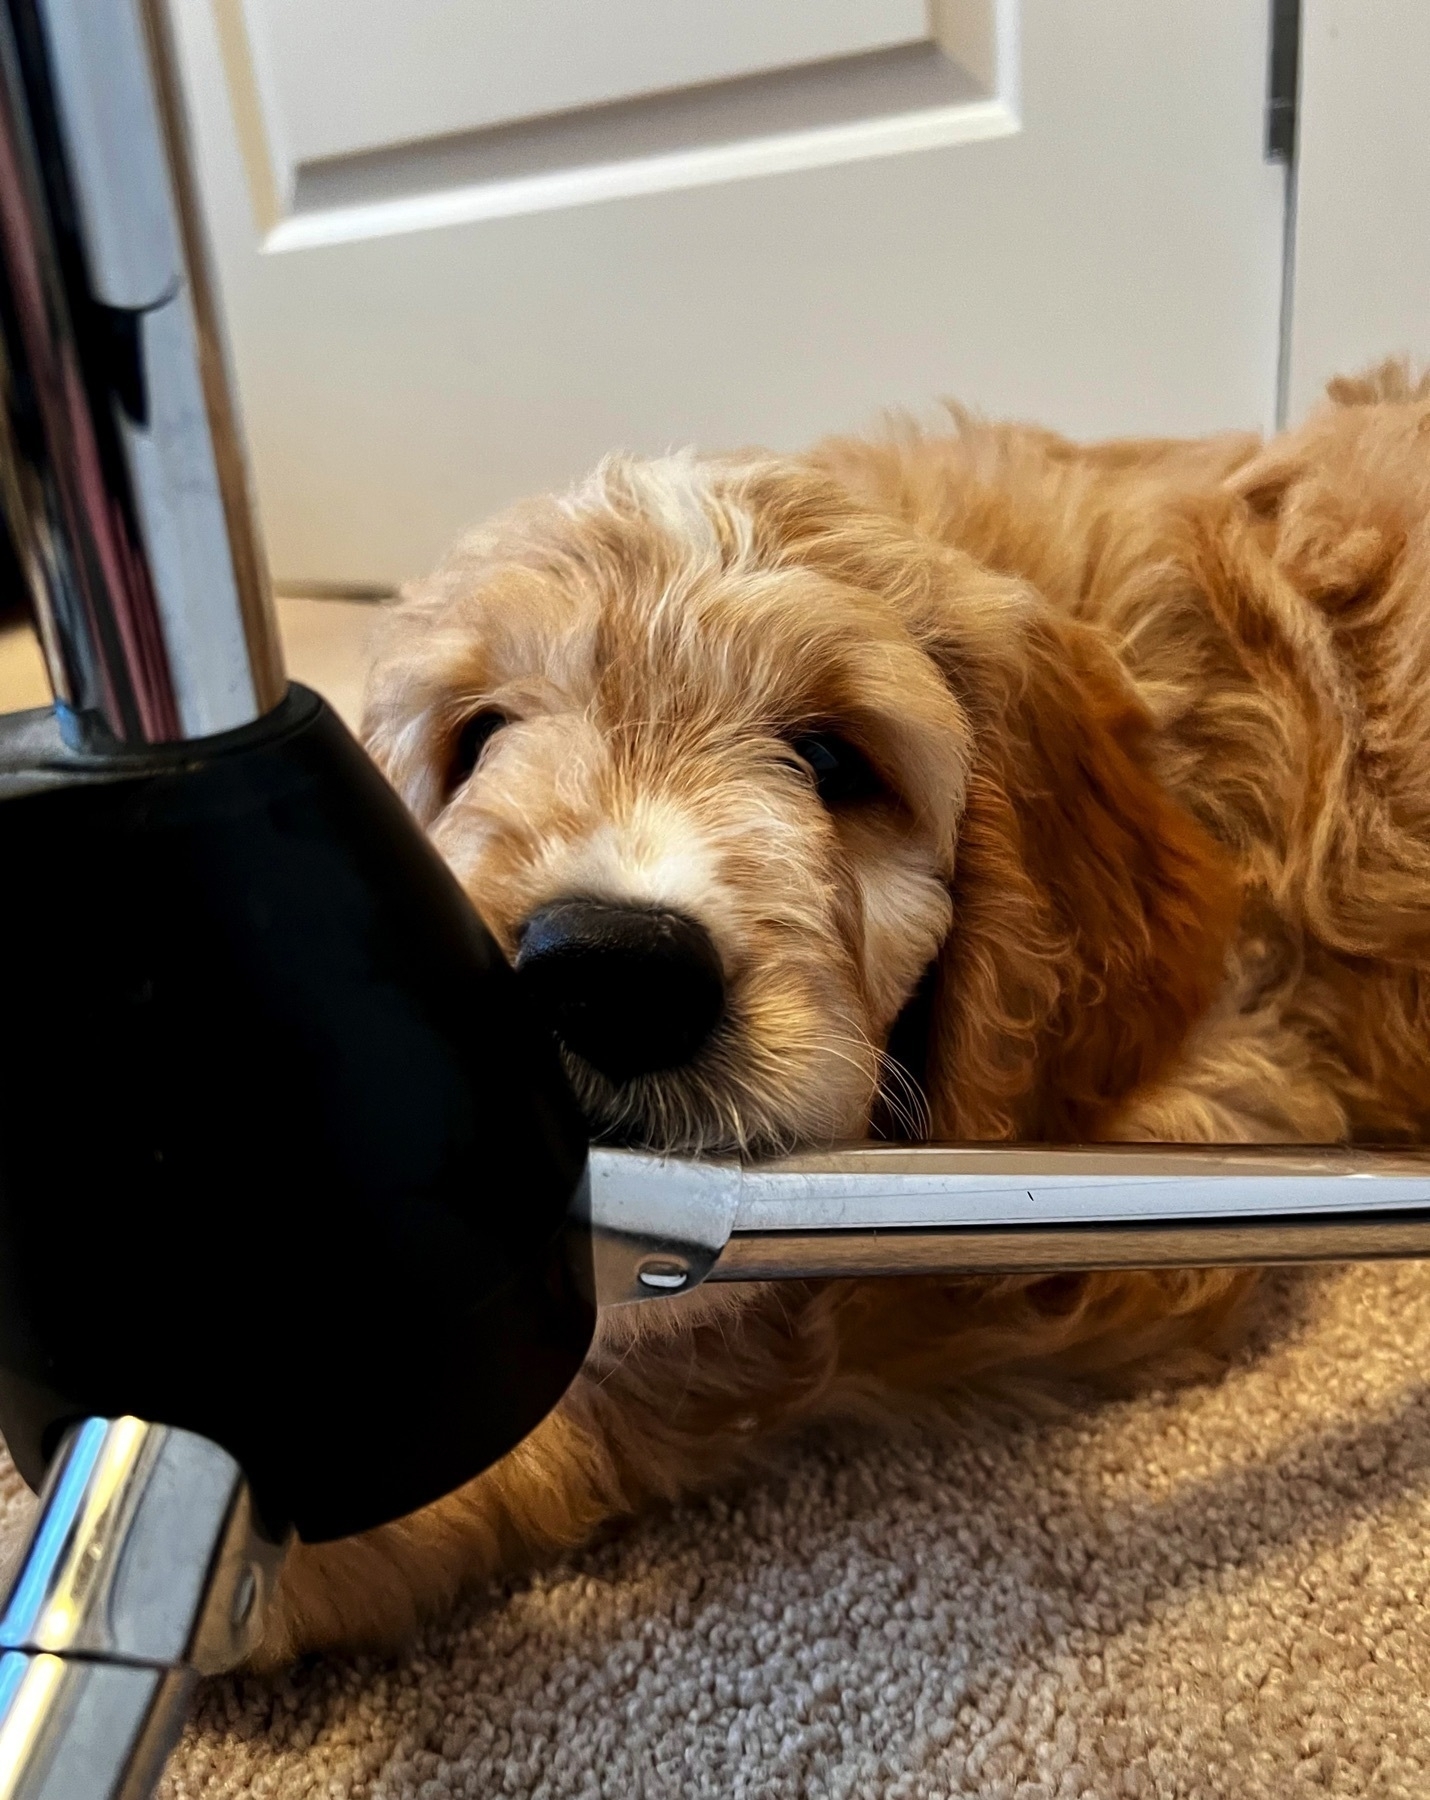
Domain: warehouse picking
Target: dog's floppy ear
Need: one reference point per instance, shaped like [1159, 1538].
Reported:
[1092, 914]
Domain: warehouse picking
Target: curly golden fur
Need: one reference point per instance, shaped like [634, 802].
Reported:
[1150, 859]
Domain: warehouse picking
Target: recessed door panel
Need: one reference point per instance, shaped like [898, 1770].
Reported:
[1057, 211]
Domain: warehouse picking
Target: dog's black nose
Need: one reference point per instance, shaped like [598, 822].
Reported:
[628, 989]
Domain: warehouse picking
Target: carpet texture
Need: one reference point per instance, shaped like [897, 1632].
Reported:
[1218, 1592]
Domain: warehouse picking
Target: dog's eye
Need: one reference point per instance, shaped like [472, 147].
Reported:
[471, 741]
[841, 773]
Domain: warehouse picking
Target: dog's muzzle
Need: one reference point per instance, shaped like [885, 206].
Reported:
[630, 990]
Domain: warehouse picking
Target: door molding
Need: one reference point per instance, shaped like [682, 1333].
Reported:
[960, 85]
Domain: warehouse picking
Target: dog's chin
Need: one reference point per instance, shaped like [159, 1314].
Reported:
[674, 1114]
[700, 1111]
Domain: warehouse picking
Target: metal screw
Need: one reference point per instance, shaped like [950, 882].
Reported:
[664, 1272]
[244, 1596]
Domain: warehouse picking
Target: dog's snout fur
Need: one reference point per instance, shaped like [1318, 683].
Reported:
[631, 990]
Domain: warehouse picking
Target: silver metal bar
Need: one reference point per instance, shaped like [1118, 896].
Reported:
[145, 1569]
[72, 1730]
[663, 1225]
[120, 468]
[901, 1186]
[982, 1249]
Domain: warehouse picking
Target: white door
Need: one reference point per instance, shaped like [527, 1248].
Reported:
[467, 246]
[1362, 228]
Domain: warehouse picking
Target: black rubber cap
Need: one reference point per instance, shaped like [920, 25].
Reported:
[284, 1157]
[630, 990]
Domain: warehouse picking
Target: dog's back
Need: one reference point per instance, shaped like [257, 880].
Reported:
[1271, 608]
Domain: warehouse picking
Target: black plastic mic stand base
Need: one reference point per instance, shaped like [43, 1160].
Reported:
[283, 1160]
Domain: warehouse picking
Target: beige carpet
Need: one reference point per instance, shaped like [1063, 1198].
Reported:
[1215, 1593]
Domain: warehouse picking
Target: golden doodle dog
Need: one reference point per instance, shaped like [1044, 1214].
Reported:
[975, 785]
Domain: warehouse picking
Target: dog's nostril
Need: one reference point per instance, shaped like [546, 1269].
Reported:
[629, 989]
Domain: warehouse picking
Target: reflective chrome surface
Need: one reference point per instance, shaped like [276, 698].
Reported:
[75, 1730]
[657, 1223]
[119, 464]
[145, 1569]
[886, 1209]
[144, 1544]
[1029, 1250]
[887, 1186]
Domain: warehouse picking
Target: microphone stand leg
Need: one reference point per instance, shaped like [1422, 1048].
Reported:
[146, 1568]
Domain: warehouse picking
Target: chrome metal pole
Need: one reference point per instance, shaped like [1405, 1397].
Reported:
[146, 1568]
[662, 1225]
[124, 489]
[120, 467]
